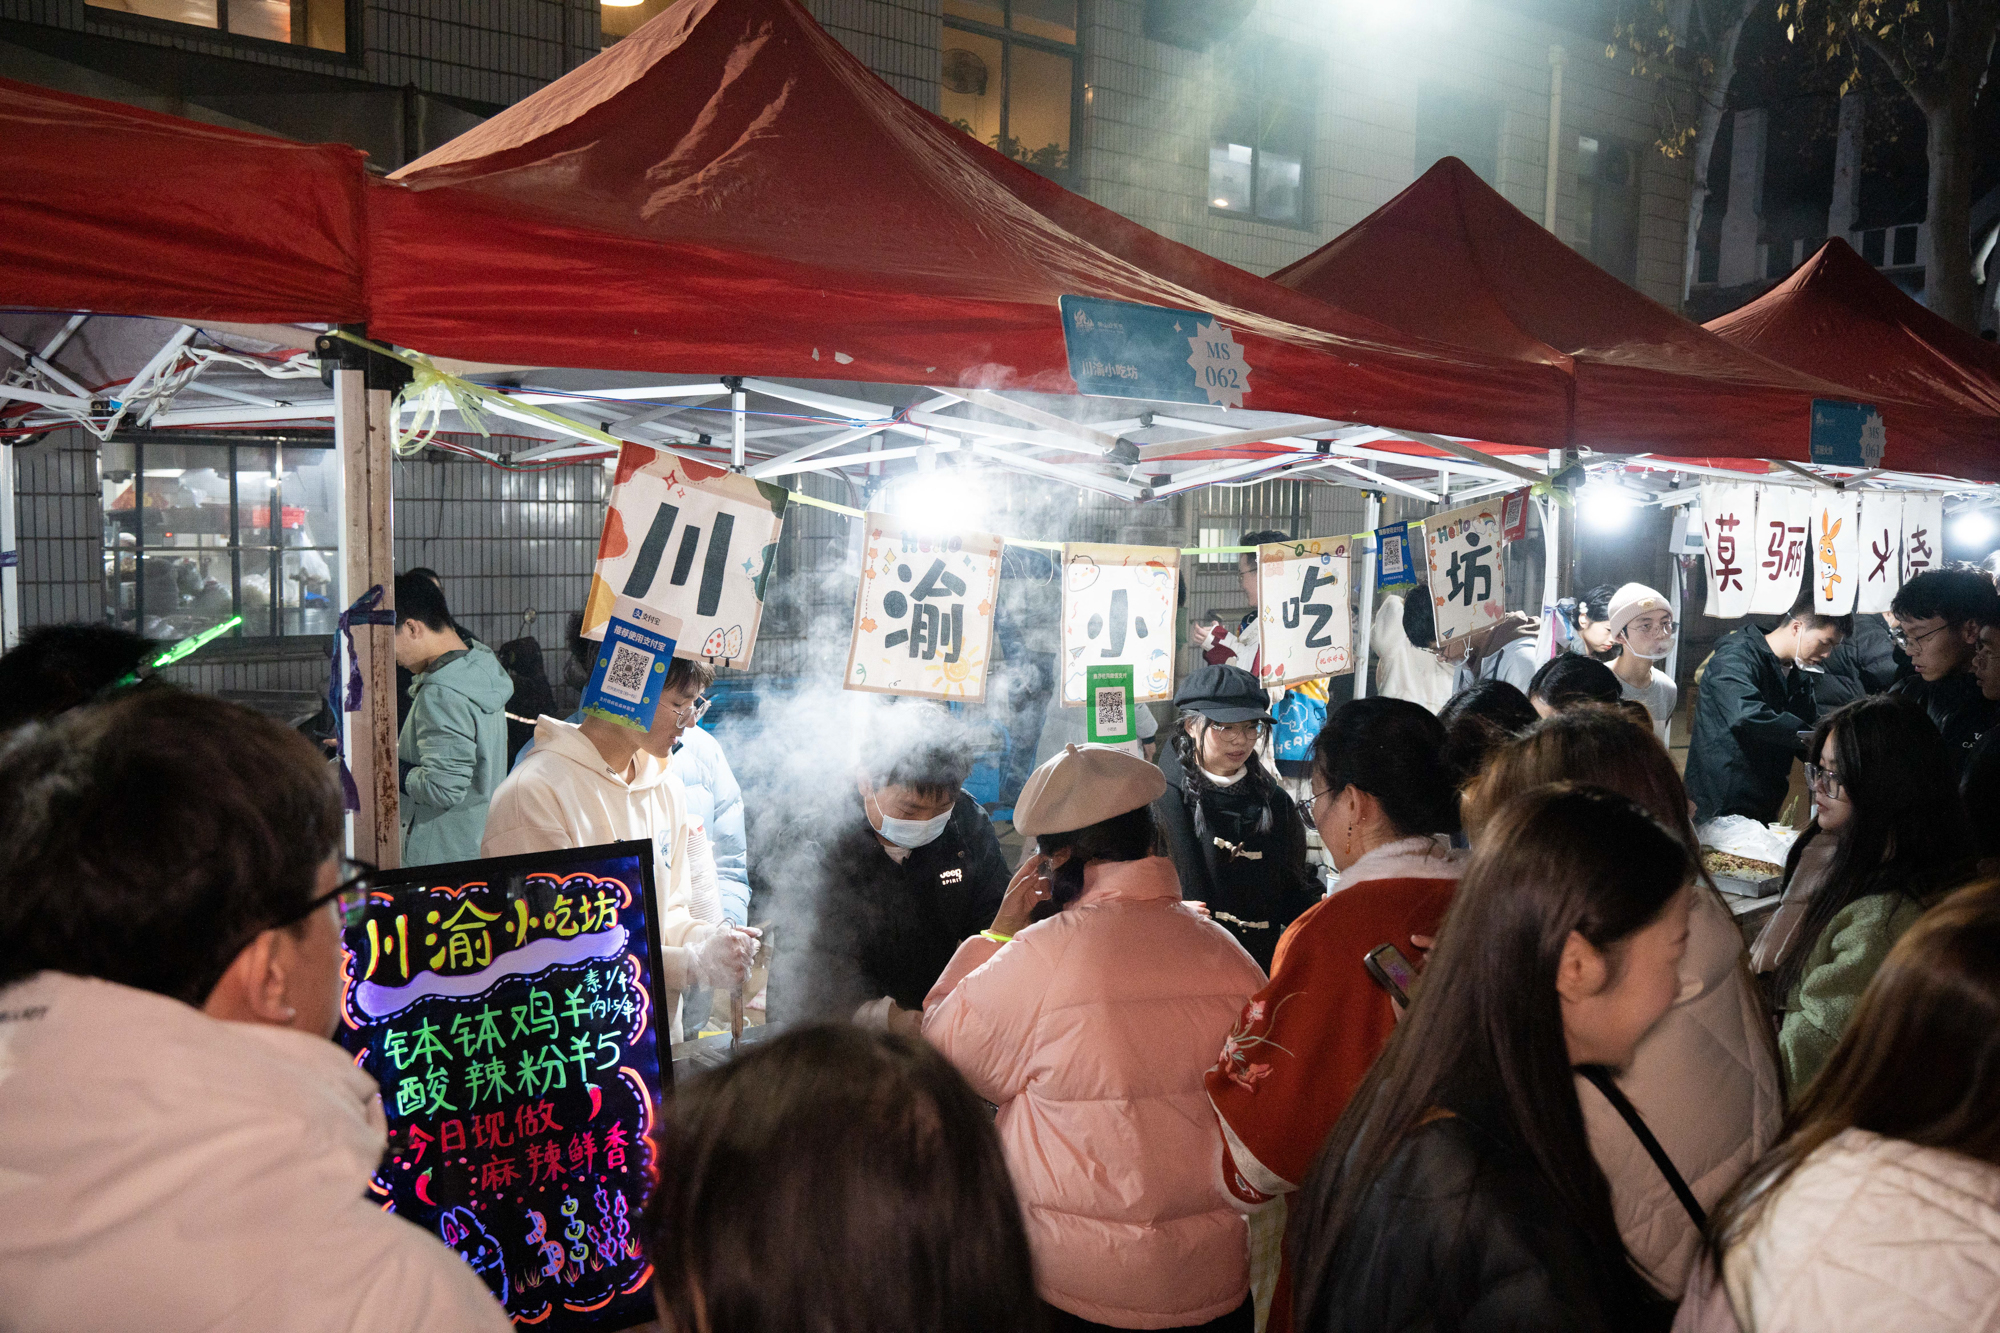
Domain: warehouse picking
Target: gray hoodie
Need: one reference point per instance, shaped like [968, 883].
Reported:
[453, 753]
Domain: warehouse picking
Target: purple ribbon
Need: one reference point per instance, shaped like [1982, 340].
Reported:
[367, 610]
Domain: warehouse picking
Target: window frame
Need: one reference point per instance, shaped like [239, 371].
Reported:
[1591, 245]
[1304, 222]
[1009, 37]
[351, 16]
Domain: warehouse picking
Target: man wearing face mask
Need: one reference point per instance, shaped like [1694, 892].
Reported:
[1641, 625]
[1756, 698]
[892, 868]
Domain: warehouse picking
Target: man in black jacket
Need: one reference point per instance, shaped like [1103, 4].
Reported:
[1980, 782]
[1937, 617]
[885, 873]
[1755, 700]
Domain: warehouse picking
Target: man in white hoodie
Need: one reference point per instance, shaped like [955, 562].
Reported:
[594, 782]
[181, 1147]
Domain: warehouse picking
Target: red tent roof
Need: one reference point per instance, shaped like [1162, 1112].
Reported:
[113, 209]
[729, 191]
[1838, 318]
[1452, 260]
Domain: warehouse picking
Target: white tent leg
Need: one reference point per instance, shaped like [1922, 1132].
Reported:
[363, 430]
[1364, 595]
[10, 555]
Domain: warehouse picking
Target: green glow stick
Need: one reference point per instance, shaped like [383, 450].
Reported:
[175, 652]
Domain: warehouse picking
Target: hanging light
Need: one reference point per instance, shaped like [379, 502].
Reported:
[1606, 506]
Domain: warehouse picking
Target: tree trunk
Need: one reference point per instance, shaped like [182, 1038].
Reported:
[1949, 289]
[1714, 96]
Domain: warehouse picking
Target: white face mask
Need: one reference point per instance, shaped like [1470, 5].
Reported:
[911, 833]
[1654, 647]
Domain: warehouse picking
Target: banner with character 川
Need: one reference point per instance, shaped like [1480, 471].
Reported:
[1304, 610]
[923, 618]
[1467, 576]
[1118, 607]
[692, 542]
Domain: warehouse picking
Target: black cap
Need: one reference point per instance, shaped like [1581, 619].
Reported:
[1224, 694]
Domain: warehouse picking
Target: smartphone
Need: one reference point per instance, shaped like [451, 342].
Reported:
[1392, 972]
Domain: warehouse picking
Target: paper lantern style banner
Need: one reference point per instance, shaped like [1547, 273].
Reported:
[1118, 607]
[692, 542]
[1467, 577]
[1836, 551]
[1880, 557]
[923, 619]
[1304, 610]
[1923, 534]
[1729, 532]
[1784, 545]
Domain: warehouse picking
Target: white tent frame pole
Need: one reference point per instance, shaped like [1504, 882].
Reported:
[1083, 432]
[1371, 519]
[10, 554]
[1229, 439]
[739, 407]
[1472, 455]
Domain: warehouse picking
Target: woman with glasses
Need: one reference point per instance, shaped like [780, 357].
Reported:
[1383, 797]
[1887, 799]
[181, 1146]
[1235, 835]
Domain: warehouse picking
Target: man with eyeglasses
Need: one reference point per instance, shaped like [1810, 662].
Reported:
[1980, 782]
[594, 782]
[1755, 700]
[1936, 616]
[182, 1147]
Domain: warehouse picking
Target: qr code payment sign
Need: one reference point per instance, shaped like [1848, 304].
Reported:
[1111, 717]
[625, 677]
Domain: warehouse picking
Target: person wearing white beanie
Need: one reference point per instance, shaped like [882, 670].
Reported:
[1642, 627]
[1090, 1030]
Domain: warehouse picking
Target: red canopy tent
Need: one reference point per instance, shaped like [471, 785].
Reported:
[729, 191]
[116, 210]
[1838, 318]
[1452, 260]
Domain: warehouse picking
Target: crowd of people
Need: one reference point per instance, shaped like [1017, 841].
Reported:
[1460, 1037]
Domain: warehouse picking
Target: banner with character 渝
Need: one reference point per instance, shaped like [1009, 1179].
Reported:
[1304, 610]
[1467, 577]
[1729, 540]
[1881, 550]
[1784, 519]
[692, 542]
[1836, 551]
[923, 619]
[1923, 534]
[1118, 606]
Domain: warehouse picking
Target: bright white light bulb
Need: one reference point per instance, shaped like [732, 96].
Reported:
[1975, 527]
[1606, 507]
[942, 502]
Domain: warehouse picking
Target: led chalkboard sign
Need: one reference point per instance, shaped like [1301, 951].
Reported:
[510, 1010]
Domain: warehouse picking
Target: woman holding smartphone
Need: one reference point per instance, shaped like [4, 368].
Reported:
[1458, 1192]
[1090, 1031]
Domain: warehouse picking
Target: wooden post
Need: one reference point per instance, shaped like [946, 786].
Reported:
[363, 430]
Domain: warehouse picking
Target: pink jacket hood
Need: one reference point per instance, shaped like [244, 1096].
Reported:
[1091, 1032]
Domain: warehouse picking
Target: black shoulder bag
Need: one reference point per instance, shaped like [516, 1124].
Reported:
[1600, 1078]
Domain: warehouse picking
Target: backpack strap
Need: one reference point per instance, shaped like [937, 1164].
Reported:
[1600, 1078]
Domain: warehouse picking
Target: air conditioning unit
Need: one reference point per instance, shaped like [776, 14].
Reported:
[1195, 24]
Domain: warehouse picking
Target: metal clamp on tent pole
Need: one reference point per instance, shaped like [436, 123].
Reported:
[336, 353]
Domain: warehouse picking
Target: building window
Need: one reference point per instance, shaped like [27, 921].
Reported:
[1455, 124]
[196, 533]
[1607, 206]
[321, 24]
[1265, 109]
[1008, 78]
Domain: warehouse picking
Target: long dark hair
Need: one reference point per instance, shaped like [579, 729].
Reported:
[833, 1180]
[1919, 1062]
[1196, 787]
[1485, 1035]
[1132, 836]
[1908, 834]
[1478, 720]
[1590, 743]
[1393, 750]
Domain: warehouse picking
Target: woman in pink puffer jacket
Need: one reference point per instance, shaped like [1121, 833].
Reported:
[1091, 1031]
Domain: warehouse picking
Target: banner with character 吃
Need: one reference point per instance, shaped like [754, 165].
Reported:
[923, 618]
[1881, 550]
[1118, 607]
[1729, 540]
[1784, 520]
[692, 542]
[1467, 576]
[1923, 534]
[1304, 610]
[1836, 551]
[510, 1011]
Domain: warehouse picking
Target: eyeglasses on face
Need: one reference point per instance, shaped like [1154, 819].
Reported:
[1909, 642]
[350, 895]
[1251, 730]
[690, 713]
[1825, 782]
[1645, 627]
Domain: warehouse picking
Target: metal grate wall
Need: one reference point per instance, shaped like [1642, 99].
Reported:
[60, 514]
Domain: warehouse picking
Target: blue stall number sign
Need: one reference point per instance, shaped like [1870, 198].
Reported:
[1847, 434]
[1120, 350]
[1393, 567]
[631, 665]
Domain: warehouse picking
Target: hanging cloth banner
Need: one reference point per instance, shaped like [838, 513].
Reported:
[1784, 516]
[1880, 555]
[1118, 606]
[1729, 535]
[1468, 580]
[923, 619]
[1923, 534]
[1836, 551]
[692, 542]
[1305, 610]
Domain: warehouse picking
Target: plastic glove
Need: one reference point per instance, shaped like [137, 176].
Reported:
[722, 957]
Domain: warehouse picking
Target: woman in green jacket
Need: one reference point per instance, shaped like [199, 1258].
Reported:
[1887, 794]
